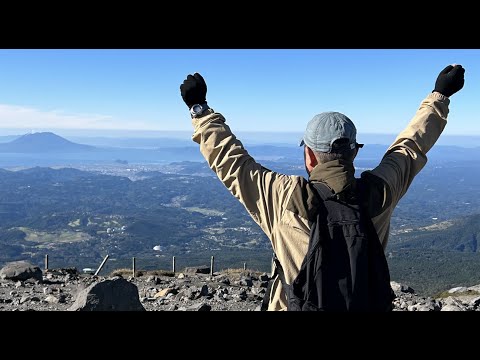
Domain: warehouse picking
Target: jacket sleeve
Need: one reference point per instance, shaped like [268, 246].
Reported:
[260, 190]
[408, 154]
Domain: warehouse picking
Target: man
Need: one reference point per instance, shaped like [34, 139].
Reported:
[282, 205]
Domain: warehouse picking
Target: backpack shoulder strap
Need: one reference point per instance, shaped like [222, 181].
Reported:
[382, 269]
[323, 190]
[367, 220]
[278, 271]
[325, 193]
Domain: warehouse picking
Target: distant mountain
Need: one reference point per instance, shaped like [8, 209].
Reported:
[453, 235]
[43, 142]
[48, 149]
[8, 138]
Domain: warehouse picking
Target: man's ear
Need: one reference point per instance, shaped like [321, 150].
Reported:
[310, 159]
[356, 152]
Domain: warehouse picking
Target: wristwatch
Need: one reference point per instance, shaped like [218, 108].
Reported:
[198, 109]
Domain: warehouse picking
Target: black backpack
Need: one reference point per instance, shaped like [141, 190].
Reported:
[345, 268]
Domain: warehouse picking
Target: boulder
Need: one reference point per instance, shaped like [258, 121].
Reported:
[199, 307]
[164, 292]
[457, 290]
[451, 307]
[115, 294]
[197, 270]
[264, 277]
[401, 288]
[52, 299]
[475, 288]
[21, 271]
[246, 281]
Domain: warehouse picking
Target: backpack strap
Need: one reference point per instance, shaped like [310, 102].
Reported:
[278, 271]
[367, 220]
[325, 193]
[372, 232]
[323, 190]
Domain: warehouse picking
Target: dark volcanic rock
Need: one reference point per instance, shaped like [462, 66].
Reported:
[246, 281]
[116, 294]
[264, 277]
[197, 270]
[21, 270]
[199, 307]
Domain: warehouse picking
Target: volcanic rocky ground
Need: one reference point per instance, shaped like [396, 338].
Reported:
[24, 287]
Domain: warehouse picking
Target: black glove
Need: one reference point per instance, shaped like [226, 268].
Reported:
[194, 90]
[450, 80]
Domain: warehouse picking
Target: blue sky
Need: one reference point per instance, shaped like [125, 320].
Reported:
[256, 90]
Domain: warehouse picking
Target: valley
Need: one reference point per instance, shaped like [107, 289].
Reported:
[79, 211]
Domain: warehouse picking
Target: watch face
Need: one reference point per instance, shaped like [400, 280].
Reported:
[196, 108]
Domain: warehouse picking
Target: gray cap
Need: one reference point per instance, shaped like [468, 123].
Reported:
[325, 128]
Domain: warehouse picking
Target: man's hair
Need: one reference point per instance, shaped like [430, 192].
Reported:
[339, 152]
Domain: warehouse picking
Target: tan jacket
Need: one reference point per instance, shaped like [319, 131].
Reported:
[281, 204]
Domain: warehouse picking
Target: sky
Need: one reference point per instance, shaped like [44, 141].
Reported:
[257, 90]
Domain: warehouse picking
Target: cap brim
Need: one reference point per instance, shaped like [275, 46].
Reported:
[359, 145]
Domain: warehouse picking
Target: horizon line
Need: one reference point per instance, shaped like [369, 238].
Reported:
[22, 131]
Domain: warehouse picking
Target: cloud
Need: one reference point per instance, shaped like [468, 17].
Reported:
[20, 117]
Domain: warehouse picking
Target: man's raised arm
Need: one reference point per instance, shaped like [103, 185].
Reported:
[260, 190]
